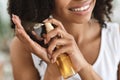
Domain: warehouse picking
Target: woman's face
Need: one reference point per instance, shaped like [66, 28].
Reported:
[74, 11]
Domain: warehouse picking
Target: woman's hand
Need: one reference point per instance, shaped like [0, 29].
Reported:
[28, 43]
[68, 44]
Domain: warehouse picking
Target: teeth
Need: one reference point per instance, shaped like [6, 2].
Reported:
[81, 9]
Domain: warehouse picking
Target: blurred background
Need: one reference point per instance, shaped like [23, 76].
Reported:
[6, 35]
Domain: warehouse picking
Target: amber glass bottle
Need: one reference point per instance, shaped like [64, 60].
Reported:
[63, 61]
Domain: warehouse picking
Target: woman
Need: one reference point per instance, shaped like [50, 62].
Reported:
[91, 42]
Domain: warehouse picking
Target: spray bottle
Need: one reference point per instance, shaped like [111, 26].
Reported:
[63, 61]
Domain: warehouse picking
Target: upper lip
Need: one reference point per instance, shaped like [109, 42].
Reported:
[81, 4]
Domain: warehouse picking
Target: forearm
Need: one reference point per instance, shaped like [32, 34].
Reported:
[52, 73]
[87, 73]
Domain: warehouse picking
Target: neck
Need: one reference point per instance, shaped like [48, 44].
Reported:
[76, 29]
[82, 31]
[79, 31]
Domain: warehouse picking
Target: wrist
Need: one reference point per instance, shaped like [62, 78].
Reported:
[52, 72]
[85, 68]
[87, 73]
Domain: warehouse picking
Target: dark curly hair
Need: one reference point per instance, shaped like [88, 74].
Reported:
[30, 10]
[38, 10]
[102, 10]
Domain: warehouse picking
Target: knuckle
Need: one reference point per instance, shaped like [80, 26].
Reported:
[71, 42]
[57, 29]
[47, 37]
[56, 54]
[54, 42]
[49, 49]
[52, 19]
[60, 23]
[19, 32]
[71, 38]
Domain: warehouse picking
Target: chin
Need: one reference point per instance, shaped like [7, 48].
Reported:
[80, 20]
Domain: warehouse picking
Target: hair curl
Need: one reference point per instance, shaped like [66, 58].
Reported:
[30, 10]
[102, 10]
[38, 10]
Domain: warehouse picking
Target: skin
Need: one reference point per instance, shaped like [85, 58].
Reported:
[77, 31]
[119, 72]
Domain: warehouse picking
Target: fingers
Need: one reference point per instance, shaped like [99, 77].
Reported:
[56, 43]
[55, 33]
[59, 30]
[60, 46]
[62, 41]
[28, 43]
[37, 36]
[19, 30]
[63, 50]
[16, 20]
[55, 22]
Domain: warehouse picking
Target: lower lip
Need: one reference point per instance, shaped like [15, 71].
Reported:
[84, 12]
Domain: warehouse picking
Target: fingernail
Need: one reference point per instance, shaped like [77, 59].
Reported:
[45, 20]
[53, 60]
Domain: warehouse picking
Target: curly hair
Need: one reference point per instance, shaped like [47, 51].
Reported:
[102, 10]
[38, 10]
[30, 10]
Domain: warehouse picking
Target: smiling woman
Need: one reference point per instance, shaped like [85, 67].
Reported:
[89, 39]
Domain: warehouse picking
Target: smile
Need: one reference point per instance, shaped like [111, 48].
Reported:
[79, 9]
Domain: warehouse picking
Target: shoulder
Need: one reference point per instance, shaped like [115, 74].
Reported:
[17, 46]
[14, 43]
[113, 26]
[112, 37]
[14, 46]
[112, 29]
[22, 62]
[18, 51]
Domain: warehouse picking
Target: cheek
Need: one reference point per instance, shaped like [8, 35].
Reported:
[61, 4]
[60, 7]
